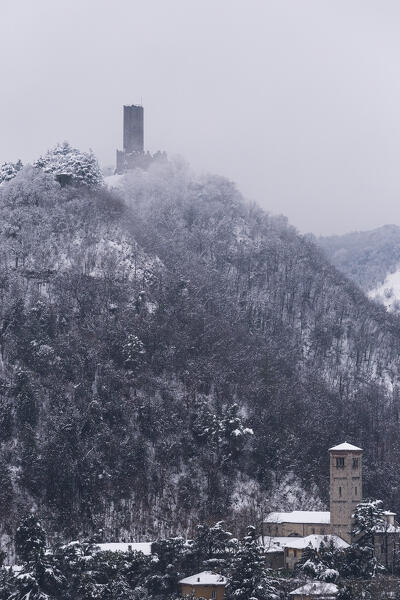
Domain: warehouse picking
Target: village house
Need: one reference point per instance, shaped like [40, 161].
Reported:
[286, 552]
[206, 584]
[387, 542]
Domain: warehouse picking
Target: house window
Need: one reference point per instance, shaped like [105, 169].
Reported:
[295, 552]
[339, 462]
[313, 530]
[340, 492]
[213, 595]
[355, 489]
[355, 463]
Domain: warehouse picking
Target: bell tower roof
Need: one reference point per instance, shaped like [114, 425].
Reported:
[346, 447]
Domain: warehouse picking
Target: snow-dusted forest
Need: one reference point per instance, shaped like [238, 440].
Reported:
[171, 354]
[199, 300]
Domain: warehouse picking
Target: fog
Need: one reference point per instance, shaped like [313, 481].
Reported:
[296, 101]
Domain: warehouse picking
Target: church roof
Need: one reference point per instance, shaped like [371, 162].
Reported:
[346, 446]
[300, 516]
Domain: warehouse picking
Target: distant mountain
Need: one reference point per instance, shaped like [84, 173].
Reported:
[371, 259]
[170, 354]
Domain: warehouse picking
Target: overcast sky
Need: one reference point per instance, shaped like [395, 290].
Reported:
[296, 101]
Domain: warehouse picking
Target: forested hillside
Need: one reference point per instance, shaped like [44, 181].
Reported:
[170, 355]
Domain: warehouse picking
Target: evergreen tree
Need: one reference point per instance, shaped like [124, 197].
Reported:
[9, 170]
[367, 519]
[30, 539]
[248, 575]
[359, 562]
[213, 547]
[7, 583]
[321, 564]
[310, 564]
[345, 593]
[66, 161]
[39, 578]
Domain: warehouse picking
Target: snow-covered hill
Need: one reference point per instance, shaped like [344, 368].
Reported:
[388, 293]
[371, 259]
[176, 319]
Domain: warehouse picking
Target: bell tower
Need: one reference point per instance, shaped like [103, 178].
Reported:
[345, 487]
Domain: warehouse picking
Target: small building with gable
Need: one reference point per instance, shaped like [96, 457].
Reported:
[206, 584]
[286, 552]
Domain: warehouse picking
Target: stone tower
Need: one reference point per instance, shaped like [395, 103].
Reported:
[133, 129]
[132, 154]
[345, 487]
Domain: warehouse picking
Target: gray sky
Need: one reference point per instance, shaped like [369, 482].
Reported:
[297, 101]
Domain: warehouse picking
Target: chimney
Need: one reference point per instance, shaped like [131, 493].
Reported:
[389, 517]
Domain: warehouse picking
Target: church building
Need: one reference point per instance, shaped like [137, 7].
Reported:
[345, 493]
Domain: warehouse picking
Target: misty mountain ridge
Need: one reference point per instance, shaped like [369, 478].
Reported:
[371, 259]
[172, 354]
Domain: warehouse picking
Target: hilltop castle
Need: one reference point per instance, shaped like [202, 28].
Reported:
[133, 155]
[133, 138]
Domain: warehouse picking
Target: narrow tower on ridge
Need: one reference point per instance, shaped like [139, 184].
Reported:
[133, 139]
[133, 129]
[345, 487]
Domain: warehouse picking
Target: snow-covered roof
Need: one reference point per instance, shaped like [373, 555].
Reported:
[317, 588]
[346, 446]
[144, 547]
[204, 578]
[300, 516]
[276, 544]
